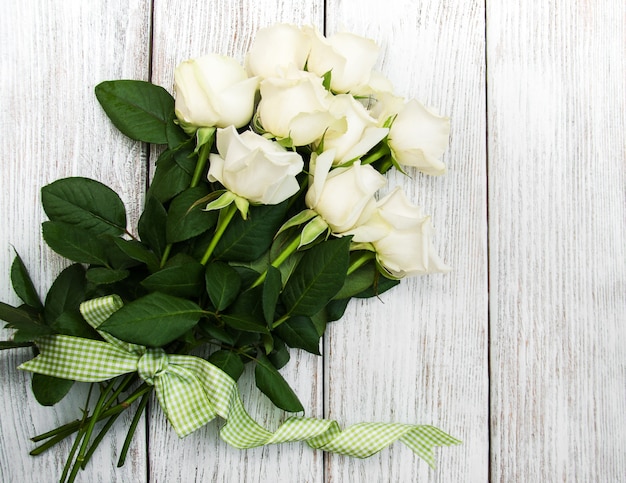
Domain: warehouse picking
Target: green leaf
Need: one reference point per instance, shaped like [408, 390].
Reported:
[358, 281]
[215, 332]
[274, 386]
[245, 323]
[317, 278]
[138, 251]
[175, 135]
[72, 323]
[381, 285]
[23, 285]
[20, 319]
[247, 240]
[49, 390]
[184, 280]
[74, 243]
[10, 344]
[105, 276]
[222, 284]
[151, 226]
[271, 291]
[66, 293]
[173, 174]
[86, 204]
[185, 222]
[141, 110]
[280, 355]
[336, 308]
[320, 320]
[154, 320]
[300, 332]
[227, 361]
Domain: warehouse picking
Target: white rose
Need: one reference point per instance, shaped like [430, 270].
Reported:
[277, 48]
[213, 91]
[295, 107]
[349, 57]
[405, 247]
[253, 167]
[418, 137]
[343, 197]
[361, 133]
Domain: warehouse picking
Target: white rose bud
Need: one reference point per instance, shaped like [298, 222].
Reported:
[296, 107]
[343, 197]
[277, 48]
[254, 168]
[406, 247]
[418, 137]
[361, 133]
[349, 57]
[213, 91]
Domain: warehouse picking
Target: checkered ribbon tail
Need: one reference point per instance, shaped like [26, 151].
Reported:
[192, 392]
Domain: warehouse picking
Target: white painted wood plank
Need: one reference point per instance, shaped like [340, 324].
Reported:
[52, 54]
[419, 354]
[228, 27]
[557, 181]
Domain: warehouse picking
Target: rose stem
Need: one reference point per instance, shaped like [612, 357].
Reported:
[360, 261]
[132, 428]
[92, 423]
[226, 215]
[64, 431]
[289, 249]
[376, 155]
[203, 156]
[79, 436]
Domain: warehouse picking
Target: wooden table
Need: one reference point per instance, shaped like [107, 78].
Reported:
[520, 351]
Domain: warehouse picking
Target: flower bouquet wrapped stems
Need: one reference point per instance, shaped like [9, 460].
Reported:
[263, 220]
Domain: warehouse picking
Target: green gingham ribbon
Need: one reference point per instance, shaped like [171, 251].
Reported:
[192, 392]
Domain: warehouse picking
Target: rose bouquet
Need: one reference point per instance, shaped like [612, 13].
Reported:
[262, 221]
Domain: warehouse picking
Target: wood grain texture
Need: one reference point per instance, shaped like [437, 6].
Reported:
[419, 355]
[52, 54]
[545, 157]
[557, 184]
[228, 27]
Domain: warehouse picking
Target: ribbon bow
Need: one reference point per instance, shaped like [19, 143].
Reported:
[192, 392]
